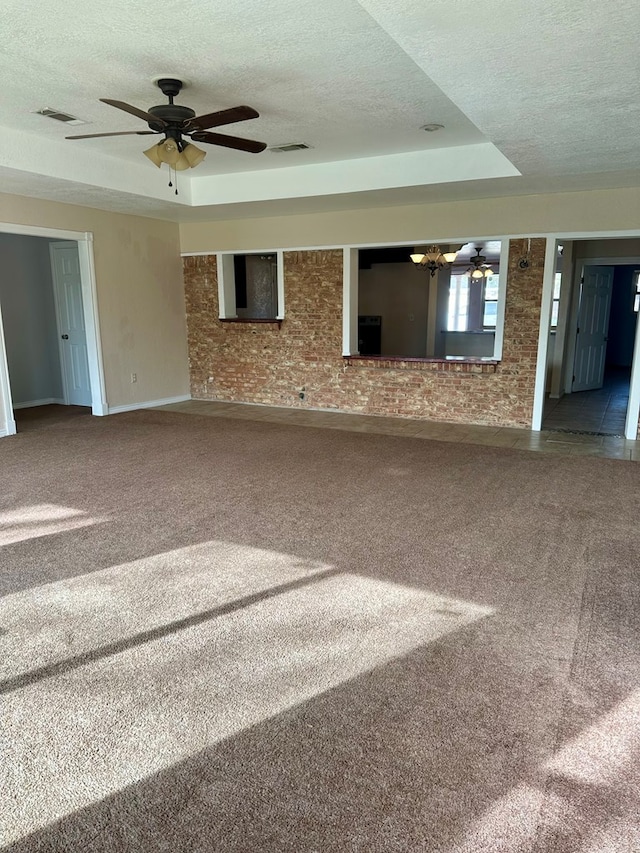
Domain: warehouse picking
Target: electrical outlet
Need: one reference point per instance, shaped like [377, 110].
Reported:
[134, 377]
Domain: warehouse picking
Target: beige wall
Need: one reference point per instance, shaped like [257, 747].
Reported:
[598, 210]
[139, 290]
[399, 295]
[629, 248]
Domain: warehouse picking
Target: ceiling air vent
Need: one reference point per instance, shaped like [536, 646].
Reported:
[291, 146]
[59, 116]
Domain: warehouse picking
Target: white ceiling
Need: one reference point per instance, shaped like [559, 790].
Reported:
[534, 97]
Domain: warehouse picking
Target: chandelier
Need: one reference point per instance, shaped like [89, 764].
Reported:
[433, 259]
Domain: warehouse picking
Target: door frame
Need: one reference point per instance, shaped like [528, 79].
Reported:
[7, 424]
[84, 239]
[553, 241]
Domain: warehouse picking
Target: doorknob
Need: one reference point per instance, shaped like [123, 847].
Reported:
[65, 337]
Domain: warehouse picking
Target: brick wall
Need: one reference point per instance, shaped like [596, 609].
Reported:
[274, 364]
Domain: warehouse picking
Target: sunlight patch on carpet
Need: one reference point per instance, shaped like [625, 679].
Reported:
[590, 776]
[30, 522]
[509, 825]
[78, 736]
[601, 754]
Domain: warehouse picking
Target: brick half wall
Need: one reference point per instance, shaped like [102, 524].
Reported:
[276, 363]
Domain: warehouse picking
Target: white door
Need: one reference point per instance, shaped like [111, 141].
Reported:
[593, 323]
[67, 286]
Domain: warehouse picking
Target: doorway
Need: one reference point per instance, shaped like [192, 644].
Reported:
[49, 339]
[600, 412]
[598, 377]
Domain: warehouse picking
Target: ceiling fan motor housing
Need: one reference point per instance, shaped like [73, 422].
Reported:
[171, 114]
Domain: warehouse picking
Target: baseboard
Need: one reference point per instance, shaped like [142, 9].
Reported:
[10, 429]
[148, 404]
[30, 404]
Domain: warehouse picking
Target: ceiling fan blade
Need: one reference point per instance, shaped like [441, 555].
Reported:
[250, 145]
[120, 105]
[117, 133]
[221, 117]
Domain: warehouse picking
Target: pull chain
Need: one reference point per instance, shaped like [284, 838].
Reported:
[175, 178]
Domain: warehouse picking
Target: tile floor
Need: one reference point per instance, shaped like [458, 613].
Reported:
[546, 441]
[602, 411]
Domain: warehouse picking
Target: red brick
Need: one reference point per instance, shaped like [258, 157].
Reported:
[270, 364]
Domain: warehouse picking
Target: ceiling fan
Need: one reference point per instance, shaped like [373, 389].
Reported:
[479, 267]
[181, 127]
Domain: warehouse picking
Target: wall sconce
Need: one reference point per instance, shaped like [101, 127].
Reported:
[433, 259]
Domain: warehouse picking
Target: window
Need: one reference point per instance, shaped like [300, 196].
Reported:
[251, 286]
[555, 306]
[458, 314]
[636, 297]
[490, 302]
[473, 303]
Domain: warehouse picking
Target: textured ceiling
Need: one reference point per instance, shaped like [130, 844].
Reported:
[551, 86]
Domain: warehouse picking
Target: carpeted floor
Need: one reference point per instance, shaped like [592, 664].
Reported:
[225, 635]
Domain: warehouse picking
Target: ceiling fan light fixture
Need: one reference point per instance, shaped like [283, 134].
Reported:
[193, 154]
[181, 163]
[168, 151]
[153, 154]
[479, 267]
